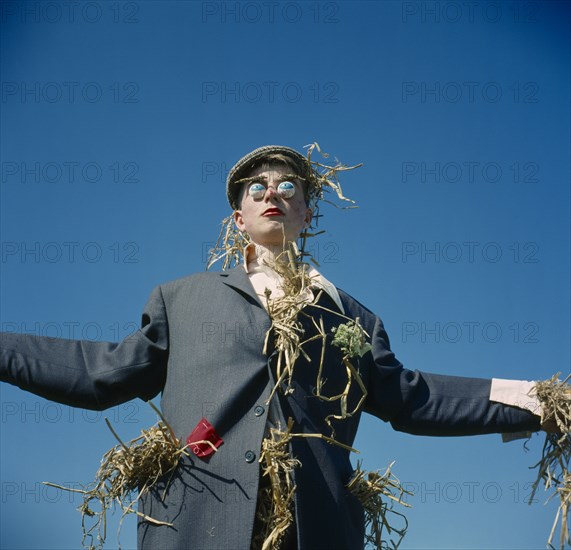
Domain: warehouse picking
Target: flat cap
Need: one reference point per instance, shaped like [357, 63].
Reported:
[239, 170]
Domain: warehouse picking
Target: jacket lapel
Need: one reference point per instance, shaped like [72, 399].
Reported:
[238, 279]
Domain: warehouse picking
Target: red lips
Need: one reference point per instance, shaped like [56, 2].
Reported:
[273, 212]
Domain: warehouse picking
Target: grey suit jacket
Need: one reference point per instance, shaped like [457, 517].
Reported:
[200, 344]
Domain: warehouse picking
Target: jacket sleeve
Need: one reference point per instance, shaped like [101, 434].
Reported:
[430, 404]
[87, 374]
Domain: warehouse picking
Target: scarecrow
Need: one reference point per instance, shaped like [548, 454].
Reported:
[265, 369]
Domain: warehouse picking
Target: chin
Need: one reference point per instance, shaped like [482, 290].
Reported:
[275, 239]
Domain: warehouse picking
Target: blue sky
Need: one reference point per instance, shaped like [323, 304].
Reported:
[118, 123]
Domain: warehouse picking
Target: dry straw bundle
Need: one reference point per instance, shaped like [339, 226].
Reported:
[553, 468]
[372, 489]
[275, 505]
[126, 469]
[286, 331]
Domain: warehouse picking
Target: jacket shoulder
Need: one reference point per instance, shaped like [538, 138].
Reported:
[196, 280]
[206, 276]
[354, 306]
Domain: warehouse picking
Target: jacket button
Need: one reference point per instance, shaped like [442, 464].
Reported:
[250, 456]
[259, 410]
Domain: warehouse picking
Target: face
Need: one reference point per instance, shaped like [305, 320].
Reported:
[272, 206]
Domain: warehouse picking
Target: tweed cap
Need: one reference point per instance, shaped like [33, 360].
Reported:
[238, 171]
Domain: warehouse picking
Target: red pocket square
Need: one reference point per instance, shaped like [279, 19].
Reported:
[203, 432]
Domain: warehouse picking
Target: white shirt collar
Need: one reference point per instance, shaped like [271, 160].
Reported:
[261, 273]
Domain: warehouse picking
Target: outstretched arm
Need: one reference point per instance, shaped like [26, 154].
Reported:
[91, 375]
[432, 404]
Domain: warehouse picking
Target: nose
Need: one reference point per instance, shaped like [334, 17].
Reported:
[270, 193]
